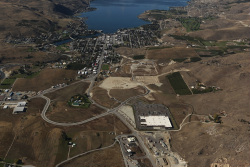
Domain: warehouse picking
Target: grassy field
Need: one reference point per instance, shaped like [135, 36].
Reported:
[178, 84]
[105, 67]
[7, 83]
[75, 66]
[190, 23]
[138, 57]
[45, 79]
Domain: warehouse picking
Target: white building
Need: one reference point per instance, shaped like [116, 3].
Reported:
[21, 104]
[156, 121]
[18, 110]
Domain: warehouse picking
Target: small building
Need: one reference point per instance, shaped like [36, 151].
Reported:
[21, 104]
[131, 139]
[18, 110]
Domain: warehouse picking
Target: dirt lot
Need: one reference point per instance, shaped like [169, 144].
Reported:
[66, 93]
[147, 80]
[143, 68]
[124, 94]
[62, 112]
[118, 83]
[101, 97]
[110, 157]
[46, 79]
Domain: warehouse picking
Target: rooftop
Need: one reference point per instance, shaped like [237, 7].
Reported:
[156, 120]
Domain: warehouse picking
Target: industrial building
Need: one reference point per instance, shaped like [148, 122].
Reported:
[152, 116]
[155, 121]
[18, 110]
[20, 107]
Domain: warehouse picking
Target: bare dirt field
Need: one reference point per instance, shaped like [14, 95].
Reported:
[144, 68]
[179, 111]
[123, 71]
[110, 157]
[118, 83]
[100, 96]
[66, 93]
[231, 24]
[124, 94]
[62, 112]
[41, 144]
[230, 139]
[147, 80]
[46, 79]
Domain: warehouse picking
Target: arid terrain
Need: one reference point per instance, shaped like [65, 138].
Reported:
[199, 70]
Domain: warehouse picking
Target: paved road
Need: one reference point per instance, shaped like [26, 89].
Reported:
[108, 111]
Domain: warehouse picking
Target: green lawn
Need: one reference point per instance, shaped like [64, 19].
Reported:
[178, 84]
[138, 57]
[7, 83]
[105, 67]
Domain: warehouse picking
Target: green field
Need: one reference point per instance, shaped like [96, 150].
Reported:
[190, 23]
[180, 59]
[178, 84]
[105, 67]
[75, 66]
[138, 57]
[7, 83]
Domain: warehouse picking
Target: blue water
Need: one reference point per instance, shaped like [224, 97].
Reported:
[112, 15]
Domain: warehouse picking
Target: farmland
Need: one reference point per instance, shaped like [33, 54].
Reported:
[7, 83]
[178, 84]
[190, 23]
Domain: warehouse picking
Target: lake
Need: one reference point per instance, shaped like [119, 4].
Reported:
[112, 15]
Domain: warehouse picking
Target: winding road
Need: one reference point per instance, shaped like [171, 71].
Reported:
[108, 111]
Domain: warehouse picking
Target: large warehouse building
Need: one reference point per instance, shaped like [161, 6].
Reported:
[155, 121]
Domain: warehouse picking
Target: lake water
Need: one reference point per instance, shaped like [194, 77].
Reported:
[112, 15]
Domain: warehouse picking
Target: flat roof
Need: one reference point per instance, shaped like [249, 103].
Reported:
[18, 109]
[23, 103]
[156, 120]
